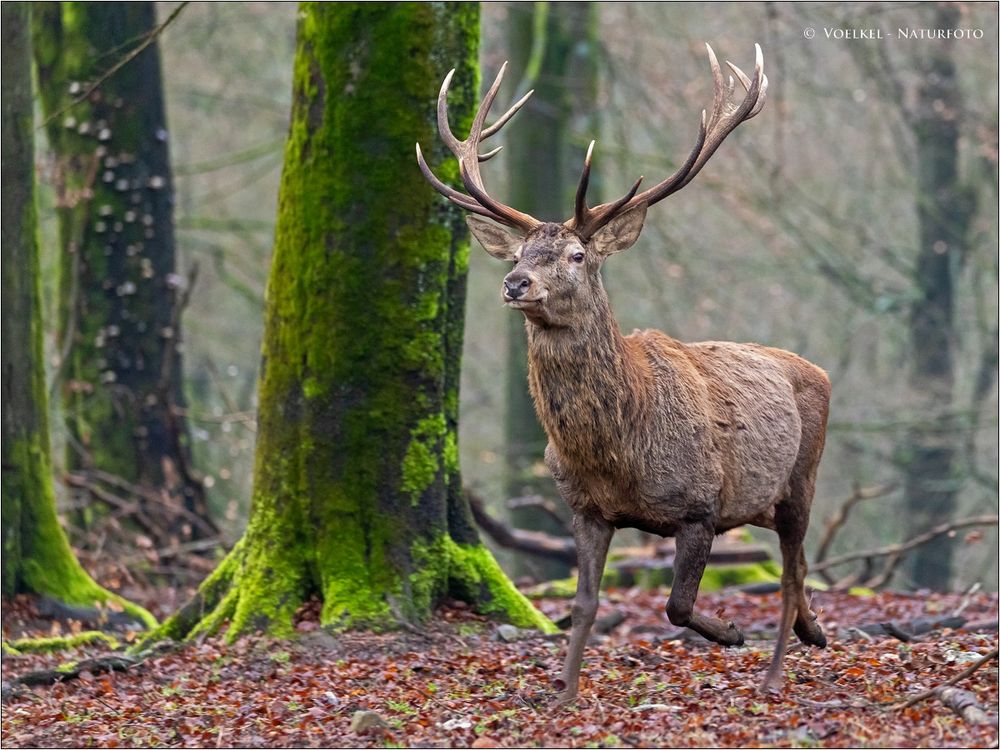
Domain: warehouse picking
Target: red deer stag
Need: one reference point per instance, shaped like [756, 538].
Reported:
[682, 440]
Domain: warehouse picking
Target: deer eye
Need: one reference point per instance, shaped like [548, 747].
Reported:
[577, 257]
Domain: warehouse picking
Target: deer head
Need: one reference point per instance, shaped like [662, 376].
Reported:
[557, 266]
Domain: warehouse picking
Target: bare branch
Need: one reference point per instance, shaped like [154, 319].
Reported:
[532, 542]
[148, 40]
[894, 549]
[837, 520]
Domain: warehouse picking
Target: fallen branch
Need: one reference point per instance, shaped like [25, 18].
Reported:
[935, 691]
[909, 631]
[71, 671]
[533, 542]
[965, 705]
[541, 503]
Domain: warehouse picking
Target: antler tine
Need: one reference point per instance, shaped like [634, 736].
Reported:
[747, 83]
[580, 212]
[495, 127]
[476, 131]
[600, 216]
[444, 127]
[490, 154]
[719, 96]
[467, 152]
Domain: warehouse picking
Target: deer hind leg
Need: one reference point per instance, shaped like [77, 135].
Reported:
[806, 628]
[791, 521]
[694, 543]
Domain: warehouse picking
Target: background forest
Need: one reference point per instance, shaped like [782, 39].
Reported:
[853, 222]
[807, 236]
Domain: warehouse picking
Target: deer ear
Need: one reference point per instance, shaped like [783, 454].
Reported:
[621, 232]
[498, 241]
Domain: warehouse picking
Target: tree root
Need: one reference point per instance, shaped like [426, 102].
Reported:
[49, 645]
[206, 610]
[73, 670]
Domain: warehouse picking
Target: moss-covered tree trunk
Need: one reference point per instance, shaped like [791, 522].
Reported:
[544, 168]
[36, 555]
[357, 491]
[119, 289]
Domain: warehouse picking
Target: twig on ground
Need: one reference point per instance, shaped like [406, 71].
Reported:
[992, 655]
[967, 599]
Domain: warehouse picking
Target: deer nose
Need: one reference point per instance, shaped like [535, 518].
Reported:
[516, 283]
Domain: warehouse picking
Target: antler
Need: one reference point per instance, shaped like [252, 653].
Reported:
[477, 200]
[726, 116]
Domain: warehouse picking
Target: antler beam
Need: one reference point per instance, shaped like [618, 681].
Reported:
[727, 114]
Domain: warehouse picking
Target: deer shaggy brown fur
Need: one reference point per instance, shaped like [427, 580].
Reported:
[647, 432]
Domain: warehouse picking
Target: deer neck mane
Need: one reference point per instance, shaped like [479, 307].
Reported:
[586, 385]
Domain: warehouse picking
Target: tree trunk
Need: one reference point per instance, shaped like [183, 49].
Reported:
[119, 291]
[543, 168]
[357, 491]
[36, 555]
[932, 472]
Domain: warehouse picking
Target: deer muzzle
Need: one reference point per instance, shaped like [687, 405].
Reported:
[515, 285]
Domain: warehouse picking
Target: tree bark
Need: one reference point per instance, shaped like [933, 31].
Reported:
[357, 488]
[119, 288]
[932, 473]
[36, 555]
[543, 169]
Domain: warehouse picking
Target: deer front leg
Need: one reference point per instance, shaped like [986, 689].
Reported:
[694, 543]
[592, 535]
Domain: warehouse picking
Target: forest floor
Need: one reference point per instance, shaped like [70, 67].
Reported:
[457, 683]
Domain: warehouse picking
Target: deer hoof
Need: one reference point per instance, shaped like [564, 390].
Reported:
[733, 636]
[772, 684]
[810, 633]
[564, 700]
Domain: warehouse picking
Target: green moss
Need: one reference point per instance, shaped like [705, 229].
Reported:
[853, 590]
[421, 464]
[717, 577]
[560, 588]
[49, 645]
[474, 565]
[204, 603]
[450, 454]
[471, 573]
